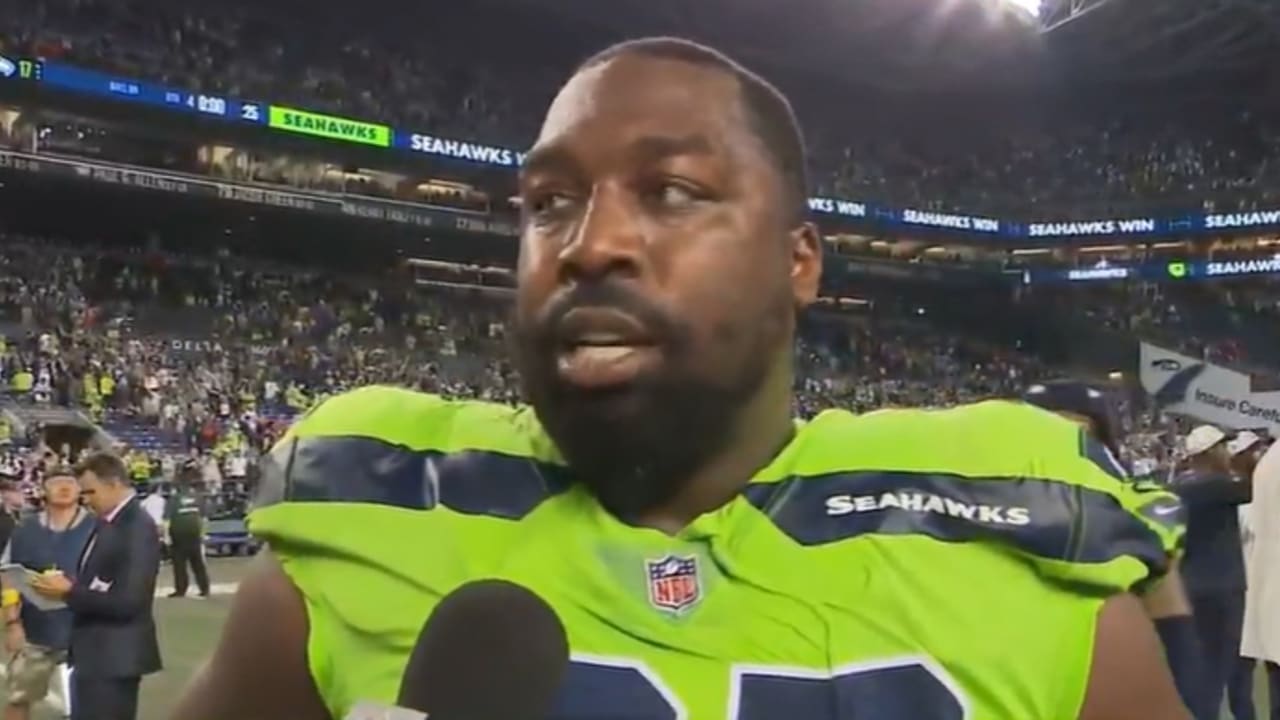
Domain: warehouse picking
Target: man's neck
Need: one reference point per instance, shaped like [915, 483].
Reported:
[61, 514]
[117, 499]
[762, 429]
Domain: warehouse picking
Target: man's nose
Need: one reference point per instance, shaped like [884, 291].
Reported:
[609, 241]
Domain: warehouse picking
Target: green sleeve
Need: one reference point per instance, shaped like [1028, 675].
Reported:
[1109, 513]
[342, 490]
[1163, 511]
[1074, 517]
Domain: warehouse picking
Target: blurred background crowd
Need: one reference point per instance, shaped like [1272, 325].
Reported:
[176, 351]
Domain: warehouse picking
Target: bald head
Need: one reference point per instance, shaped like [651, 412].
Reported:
[766, 110]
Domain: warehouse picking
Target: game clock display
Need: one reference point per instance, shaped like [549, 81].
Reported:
[92, 82]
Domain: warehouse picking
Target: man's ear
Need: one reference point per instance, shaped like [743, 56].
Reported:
[806, 263]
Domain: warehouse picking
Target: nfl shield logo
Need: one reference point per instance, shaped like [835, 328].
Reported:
[673, 583]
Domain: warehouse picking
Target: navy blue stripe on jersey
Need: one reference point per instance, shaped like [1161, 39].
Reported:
[1093, 450]
[1046, 518]
[368, 470]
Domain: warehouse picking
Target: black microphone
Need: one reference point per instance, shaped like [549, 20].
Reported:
[491, 650]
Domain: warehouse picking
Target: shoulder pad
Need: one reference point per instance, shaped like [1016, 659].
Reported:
[395, 447]
[983, 439]
[998, 472]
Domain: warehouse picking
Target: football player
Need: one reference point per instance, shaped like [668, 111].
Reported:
[709, 556]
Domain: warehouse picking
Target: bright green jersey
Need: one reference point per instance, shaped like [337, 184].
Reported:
[1164, 510]
[901, 565]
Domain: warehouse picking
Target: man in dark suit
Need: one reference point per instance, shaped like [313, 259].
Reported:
[1213, 564]
[113, 633]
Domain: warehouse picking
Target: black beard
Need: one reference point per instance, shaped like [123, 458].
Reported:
[635, 447]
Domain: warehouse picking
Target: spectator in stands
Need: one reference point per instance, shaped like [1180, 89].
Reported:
[11, 504]
[282, 350]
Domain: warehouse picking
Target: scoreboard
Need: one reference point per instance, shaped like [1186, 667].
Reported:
[91, 82]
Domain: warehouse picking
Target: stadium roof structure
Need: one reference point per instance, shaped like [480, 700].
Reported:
[954, 44]
[1163, 39]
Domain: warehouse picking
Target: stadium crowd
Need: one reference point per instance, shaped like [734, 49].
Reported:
[1111, 157]
[213, 355]
[209, 357]
[199, 359]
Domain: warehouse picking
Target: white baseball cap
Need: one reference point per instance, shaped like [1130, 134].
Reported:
[1243, 440]
[1202, 438]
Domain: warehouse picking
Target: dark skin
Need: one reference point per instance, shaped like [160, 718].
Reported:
[654, 180]
[1244, 463]
[1214, 460]
[665, 193]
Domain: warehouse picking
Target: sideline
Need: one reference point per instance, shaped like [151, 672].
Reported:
[214, 589]
[55, 700]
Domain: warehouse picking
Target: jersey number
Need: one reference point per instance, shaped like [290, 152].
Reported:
[904, 689]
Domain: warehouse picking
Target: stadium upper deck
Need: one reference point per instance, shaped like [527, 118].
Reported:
[1033, 164]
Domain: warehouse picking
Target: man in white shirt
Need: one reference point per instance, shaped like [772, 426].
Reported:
[1261, 637]
[237, 466]
[154, 505]
[1246, 450]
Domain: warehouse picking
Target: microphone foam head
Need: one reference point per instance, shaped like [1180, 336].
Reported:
[491, 650]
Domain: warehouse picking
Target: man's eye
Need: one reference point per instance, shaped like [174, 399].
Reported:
[550, 203]
[674, 195]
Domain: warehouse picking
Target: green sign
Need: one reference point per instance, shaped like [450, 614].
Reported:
[1177, 270]
[329, 126]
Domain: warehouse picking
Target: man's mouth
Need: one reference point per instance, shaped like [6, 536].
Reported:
[600, 348]
[606, 344]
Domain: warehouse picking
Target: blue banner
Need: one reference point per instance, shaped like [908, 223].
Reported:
[1155, 271]
[837, 210]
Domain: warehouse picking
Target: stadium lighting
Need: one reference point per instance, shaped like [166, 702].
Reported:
[1031, 7]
